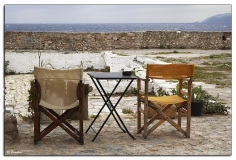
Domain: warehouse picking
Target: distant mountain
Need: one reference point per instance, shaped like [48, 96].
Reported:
[219, 18]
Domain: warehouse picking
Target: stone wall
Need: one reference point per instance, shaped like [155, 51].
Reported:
[109, 41]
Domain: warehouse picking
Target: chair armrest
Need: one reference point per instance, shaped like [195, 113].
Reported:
[140, 92]
[143, 79]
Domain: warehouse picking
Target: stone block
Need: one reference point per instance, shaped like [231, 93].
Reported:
[10, 128]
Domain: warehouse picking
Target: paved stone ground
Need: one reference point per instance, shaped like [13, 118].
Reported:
[210, 135]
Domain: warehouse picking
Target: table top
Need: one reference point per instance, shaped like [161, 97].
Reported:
[110, 75]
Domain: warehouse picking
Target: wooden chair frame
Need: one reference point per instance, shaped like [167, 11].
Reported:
[165, 71]
[59, 120]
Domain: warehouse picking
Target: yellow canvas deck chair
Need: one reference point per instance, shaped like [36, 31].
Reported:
[58, 90]
[162, 104]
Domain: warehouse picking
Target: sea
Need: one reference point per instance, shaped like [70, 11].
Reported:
[119, 27]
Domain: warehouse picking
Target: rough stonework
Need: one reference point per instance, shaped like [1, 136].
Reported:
[10, 128]
[124, 40]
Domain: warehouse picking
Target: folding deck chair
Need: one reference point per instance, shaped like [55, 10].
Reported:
[181, 102]
[58, 90]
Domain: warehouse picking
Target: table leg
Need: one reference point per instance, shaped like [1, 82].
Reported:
[110, 107]
[106, 101]
[118, 114]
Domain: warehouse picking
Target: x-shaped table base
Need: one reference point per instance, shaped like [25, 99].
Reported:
[110, 106]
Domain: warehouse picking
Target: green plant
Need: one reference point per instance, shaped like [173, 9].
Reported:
[133, 73]
[216, 108]
[182, 47]
[175, 51]
[131, 91]
[6, 63]
[26, 117]
[168, 46]
[225, 47]
[93, 116]
[127, 110]
[11, 72]
[152, 93]
[174, 91]
[6, 70]
[81, 64]
[144, 47]
[198, 94]
[31, 99]
[162, 92]
[106, 69]
[90, 68]
[122, 54]
[213, 106]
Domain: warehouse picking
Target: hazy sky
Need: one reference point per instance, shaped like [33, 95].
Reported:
[127, 13]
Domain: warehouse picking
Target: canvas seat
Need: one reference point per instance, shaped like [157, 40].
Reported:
[165, 106]
[59, 90]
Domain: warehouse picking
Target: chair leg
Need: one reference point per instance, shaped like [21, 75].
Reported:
[179, 117]
[57, 121]
[145, 121]
[138, 104]
[36, 112]
[81, 132]
[36, 125]
[139, 116]
[188, 120]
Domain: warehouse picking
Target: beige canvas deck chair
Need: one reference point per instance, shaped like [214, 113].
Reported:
[58, 90]
[162, 104]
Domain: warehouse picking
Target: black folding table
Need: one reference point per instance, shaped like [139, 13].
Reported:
[118, 76]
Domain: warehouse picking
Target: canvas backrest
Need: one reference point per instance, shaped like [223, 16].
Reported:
[58, 87]
[170, 71]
